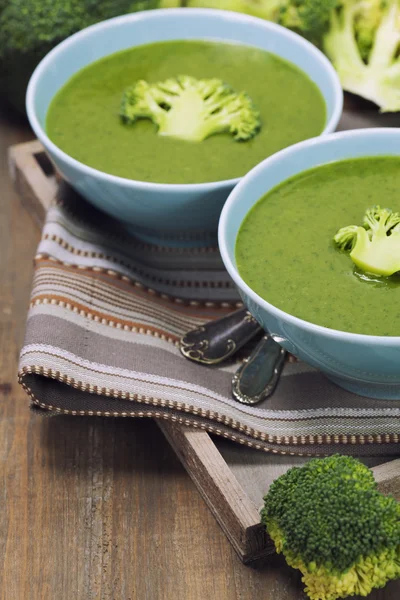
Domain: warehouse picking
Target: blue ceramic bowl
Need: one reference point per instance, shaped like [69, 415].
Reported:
[364, 364]
[158, 211]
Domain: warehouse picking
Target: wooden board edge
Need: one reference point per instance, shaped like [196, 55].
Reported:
[233, 509]
[387, 476]
[36, 189]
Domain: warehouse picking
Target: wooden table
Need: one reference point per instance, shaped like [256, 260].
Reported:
[95, 509]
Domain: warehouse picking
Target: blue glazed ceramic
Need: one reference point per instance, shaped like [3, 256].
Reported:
[364, 364]
[155, 210]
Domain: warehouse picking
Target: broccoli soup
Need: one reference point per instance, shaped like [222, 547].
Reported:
[184, 111]
[324, 246]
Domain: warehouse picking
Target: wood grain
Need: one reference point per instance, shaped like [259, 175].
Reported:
[100, 509]
[231, 479]
[227, 500]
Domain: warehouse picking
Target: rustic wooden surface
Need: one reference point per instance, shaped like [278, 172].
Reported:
[97, 509]
[231, 479]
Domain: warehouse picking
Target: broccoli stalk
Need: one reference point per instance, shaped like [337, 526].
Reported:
[191, 109]
[375, 247]
[330, 521]
[363, 45]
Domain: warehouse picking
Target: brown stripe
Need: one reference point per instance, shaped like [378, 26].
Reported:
[198, 308]
[126, 302]
[104, 318]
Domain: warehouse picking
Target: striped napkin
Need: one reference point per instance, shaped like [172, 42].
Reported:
[104, 322]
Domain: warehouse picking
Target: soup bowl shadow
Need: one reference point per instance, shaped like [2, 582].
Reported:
[364, 364]
[164, 213]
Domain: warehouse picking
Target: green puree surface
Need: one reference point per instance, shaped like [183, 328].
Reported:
[83, 117]
[285, 251]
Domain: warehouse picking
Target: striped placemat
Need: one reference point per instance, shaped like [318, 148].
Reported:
[102, 334]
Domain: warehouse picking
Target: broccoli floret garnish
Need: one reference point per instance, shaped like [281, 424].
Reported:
[330, 521]
[374, 247]
[191, 109]
[363, 44]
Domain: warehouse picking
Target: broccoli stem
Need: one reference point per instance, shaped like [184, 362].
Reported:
[185, 120]
[380, 256]
[341, 46]
[387, 40]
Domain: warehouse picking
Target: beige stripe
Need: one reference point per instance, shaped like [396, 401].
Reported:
[124, 291]
[104, 318]
[156, 275]
[120, 280]
[99, 296]
[70, 317]
[284, 440]
[162, 389]
[128, 262]
[123, 335]
[134, 313]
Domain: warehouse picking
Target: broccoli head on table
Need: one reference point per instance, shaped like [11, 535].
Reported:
[363, 44]
[330, 521]
[361, 38]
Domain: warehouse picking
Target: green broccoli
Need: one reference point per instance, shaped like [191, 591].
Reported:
[263, 9]
[31, 28]
[361, 38]
[375, 247]
[309, 18]
[330, 521]
[191, 109]
[363, 44]
[367, 19]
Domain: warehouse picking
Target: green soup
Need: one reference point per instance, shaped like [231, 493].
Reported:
[83, 117]
[285, 250]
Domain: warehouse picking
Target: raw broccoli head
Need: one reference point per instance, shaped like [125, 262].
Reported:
[310, 18]
[331, 522]
[31, 28]
[363, 44]
[191, 109]
[375, 247]
[27, 24]
[263, 9]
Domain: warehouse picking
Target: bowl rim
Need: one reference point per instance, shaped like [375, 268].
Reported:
[171, 13]
[234, 197]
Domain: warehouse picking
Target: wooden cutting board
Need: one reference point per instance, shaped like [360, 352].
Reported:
[231, 478]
